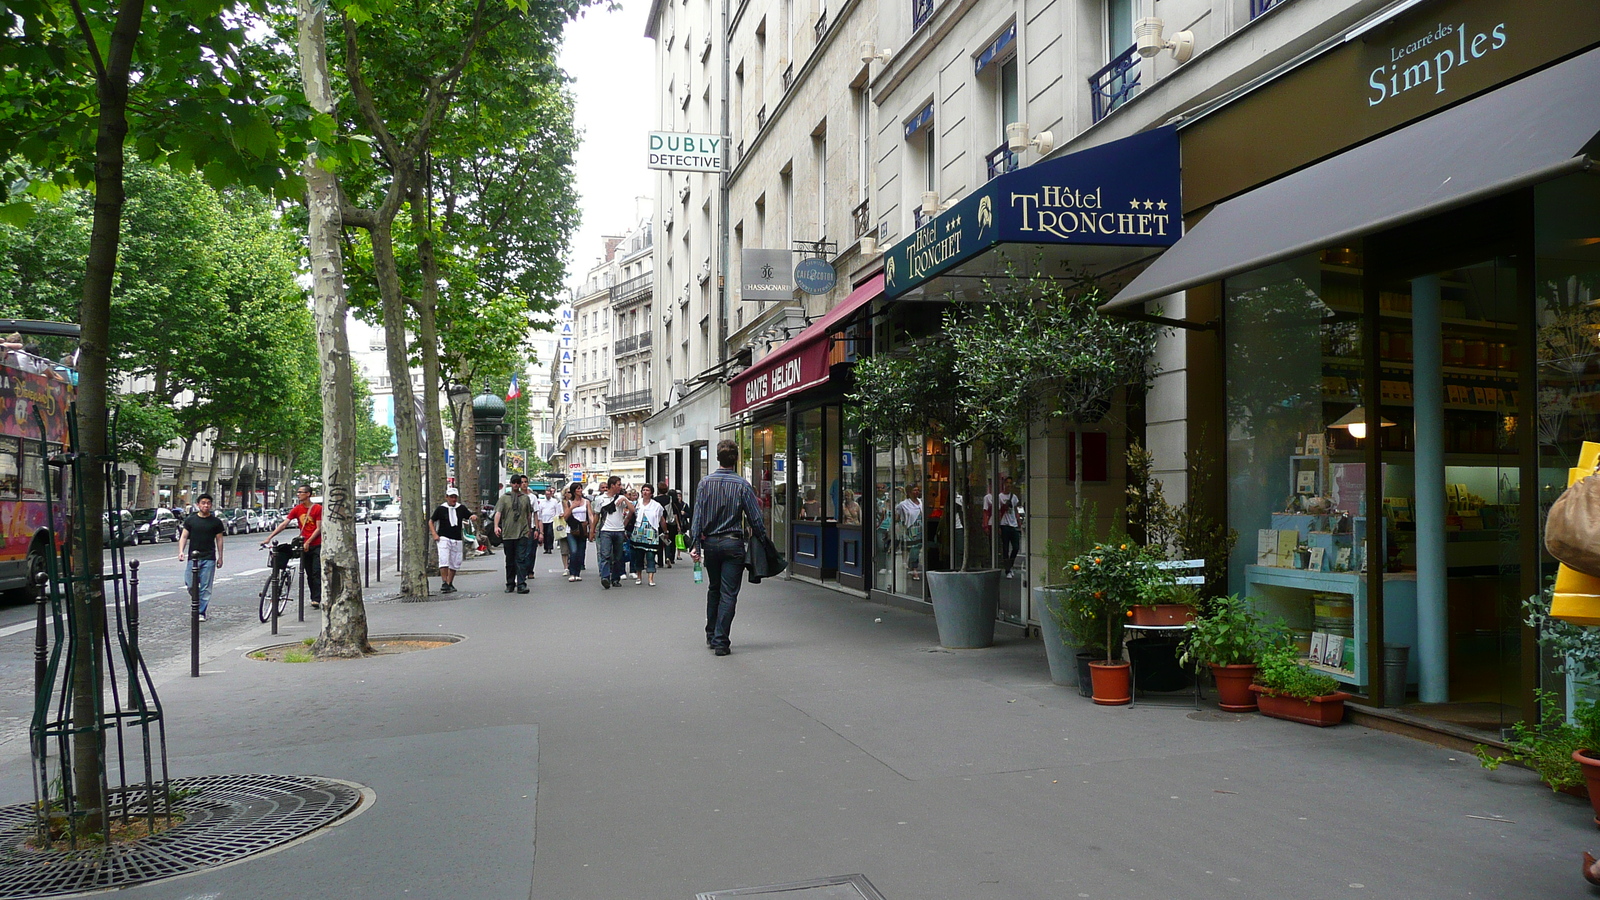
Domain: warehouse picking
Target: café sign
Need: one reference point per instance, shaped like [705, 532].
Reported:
[1125, 193]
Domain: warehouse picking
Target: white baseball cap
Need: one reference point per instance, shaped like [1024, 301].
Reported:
[451, 492]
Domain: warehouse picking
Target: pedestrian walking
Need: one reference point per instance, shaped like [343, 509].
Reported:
[724, 506]
[549, 510]
[306, 516]
[646, 535]
[201, 539]
[446, 524]
[575, 512]
[610, 528]
[515, 521]
[674, 524]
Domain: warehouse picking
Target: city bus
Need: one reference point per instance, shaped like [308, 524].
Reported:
[34, 392]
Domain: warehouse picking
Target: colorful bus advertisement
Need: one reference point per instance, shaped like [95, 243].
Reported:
[32, 391]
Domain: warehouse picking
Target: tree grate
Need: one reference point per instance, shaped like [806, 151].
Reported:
[434, 598]
[225, 818]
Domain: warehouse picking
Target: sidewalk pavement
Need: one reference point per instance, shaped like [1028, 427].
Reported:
[582, 744]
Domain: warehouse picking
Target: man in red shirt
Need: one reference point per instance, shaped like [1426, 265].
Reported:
[307, 516]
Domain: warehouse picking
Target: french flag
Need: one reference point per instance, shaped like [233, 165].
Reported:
[515, 390]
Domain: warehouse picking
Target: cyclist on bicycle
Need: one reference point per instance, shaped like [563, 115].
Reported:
[308, 517]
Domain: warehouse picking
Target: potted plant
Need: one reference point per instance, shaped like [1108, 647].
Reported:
[913, 392]
[1562, 752]
[1104, 582]
[1166, 604]
[1229, 638]
[1287, 690]
[1063, 640]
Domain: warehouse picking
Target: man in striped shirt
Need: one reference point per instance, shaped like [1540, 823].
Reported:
[723, 504]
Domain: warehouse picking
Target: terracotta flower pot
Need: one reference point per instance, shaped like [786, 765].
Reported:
[1591, 777]
[1233, 687]
[1319, 711]
[1111, 683]
[1162, 614]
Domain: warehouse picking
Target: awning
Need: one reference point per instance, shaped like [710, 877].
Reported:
[1531, 130]
[1124, 195]
[801, 362]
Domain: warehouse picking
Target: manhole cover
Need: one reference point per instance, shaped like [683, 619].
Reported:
[837, 887]
[1211, 715]
[226, 818]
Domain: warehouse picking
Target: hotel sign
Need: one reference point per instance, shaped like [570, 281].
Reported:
[1125, 193]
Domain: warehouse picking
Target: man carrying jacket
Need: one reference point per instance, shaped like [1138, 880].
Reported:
[724, 506]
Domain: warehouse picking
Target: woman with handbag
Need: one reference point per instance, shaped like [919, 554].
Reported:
[672, 526]
[646, 535]
[575, 513]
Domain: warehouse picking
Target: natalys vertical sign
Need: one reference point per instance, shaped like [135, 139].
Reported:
[1125, 193]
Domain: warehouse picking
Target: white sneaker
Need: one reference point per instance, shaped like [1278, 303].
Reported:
[636, 578]
[202, 617]
[1010, 574]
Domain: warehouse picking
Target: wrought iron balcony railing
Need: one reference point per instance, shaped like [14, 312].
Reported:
[920, 218]
[861, 216]
[822, 25]
[617, 404]
[624, 453]
[635, 288]
[921, 12]
[1115, 84]
[1000, 161]
[788, 76]
[761, 117]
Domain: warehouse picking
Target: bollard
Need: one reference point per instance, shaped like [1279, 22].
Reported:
[133, 603]
[274, 593]
[300, 586]
[40, 641]
[379, 568]
[366, 557]
[194, 618]
[399, 547]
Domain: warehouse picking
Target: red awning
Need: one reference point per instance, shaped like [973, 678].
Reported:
[802, 361]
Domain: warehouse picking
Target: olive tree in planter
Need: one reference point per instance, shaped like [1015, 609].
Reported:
[1039, 349]
[913, 391]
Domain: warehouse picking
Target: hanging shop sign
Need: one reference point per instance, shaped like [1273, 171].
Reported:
[766, 274]
[688, 152]
[815, 276]
[1125, 193]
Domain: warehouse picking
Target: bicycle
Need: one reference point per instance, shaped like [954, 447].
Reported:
[280, 578]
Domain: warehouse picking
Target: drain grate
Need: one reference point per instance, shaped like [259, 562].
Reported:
[837, 887]
[226, 818]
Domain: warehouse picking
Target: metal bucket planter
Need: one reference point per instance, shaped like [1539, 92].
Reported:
[964, 607]
[1063, 666]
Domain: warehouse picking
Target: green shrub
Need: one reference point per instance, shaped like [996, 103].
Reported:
[1547, 748]
[1281, 673]
[1231, 633]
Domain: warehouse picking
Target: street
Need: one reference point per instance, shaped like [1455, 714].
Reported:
[164, 607]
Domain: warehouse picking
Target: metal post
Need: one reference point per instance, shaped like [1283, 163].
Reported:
[274, 592]
[366, 557]
[300, 585]
[39, 636]
[399, 546]
[133, 603]
[379, 567]
[194, 617]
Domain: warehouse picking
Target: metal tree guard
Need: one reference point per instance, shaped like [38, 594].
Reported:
[134, 714]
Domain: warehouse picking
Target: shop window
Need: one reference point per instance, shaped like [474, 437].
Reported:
[808, 474]
[850, 469]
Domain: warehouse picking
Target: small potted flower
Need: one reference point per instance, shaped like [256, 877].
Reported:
[1229, 638]
[1104, 582]
[1287, 690]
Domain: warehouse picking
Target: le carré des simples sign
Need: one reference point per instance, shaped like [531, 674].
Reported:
[1124, 193]
[685, 151]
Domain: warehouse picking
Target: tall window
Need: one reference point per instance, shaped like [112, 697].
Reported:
[930, 159]
[787, 181]
[819, 149]
[1119, 26]
[1010, 110]
[863, 143]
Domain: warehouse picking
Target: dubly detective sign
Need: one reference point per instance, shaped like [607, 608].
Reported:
[689, 152]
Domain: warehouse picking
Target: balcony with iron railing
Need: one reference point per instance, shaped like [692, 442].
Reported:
[625, 453]
[1260, 7]
[635, 288]
[1116, 83]
[1000, 161]
[617, 404]
[633, 343]
[920, 218]
[821, 27]
[921, 12]
[761, 117]
[861, 217]
[788, 76]
[587, 426]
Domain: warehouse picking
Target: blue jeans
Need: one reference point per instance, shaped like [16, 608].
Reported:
[723, 557]
[519, 559]
[575, 547]
[609, 546]
[208, 572]
[644, 557]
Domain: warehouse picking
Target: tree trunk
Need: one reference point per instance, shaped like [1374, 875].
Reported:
[344, 615]
[428, 338]
[180, 484]
[467, 456]
[210, 486]
[413, 562]
[286, 477]
[94, 317]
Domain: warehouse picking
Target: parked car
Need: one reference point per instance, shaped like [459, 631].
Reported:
[125, 519]
[363, 514]
[390, 513]
[235, 520]
[154, 524]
